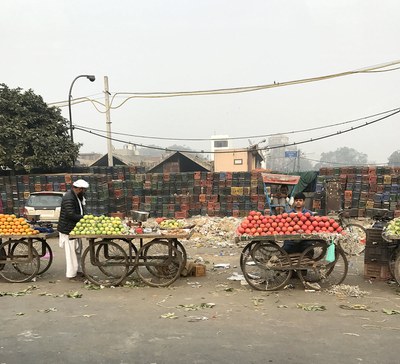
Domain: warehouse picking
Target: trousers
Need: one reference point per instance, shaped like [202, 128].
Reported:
[73, 252]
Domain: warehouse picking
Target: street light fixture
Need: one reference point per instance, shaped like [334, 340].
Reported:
[91, 78]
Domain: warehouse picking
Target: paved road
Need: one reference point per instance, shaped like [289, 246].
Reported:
[125, 324]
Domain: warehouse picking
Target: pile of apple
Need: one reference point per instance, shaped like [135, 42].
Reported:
[292, 223]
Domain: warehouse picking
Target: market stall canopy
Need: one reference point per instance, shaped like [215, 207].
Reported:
[282, 179]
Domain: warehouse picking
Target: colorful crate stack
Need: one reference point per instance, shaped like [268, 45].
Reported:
[363, 189]
[122, 189]
[378, 253]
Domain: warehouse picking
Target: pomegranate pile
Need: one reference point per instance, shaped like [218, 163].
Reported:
[292, 223]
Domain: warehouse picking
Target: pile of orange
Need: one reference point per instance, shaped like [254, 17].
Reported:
[12, 225]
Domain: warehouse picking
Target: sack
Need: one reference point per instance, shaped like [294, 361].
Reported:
[330, 253]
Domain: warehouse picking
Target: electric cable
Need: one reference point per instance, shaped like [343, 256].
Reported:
[244, 137]
[233, 90]
[253, 149]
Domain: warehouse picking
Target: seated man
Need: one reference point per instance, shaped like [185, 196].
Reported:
[291, 246]
[280, 200]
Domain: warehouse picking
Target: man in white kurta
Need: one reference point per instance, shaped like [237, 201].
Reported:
[72, 210]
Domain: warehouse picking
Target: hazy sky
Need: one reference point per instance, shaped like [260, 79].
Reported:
[181, 45]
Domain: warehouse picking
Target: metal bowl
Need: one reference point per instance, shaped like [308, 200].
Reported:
[139, 215]
[33, 217]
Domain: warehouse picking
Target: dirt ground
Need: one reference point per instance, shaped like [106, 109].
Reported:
[207, 319]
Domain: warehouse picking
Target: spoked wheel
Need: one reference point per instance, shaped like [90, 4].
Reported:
[45, 254]
[313, 267]
[18, 263]
[109, 266]
[397, 269]
[162, 263]
[125, 245]
[392, 261]
[266, 267]
[246, 251]
[181, 251]
[355, 239]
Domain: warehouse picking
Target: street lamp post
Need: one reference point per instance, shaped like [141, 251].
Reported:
[91, 78]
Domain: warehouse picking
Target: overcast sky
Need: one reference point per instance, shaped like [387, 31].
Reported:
[182, 45]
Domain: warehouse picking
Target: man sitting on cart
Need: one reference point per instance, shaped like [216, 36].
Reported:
[298, 246]
[280, 200]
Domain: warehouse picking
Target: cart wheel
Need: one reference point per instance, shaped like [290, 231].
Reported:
[355, 239]
[108, 267]
[44, 251]
[312, 268]
[14, 259]
[267, 267]
[246, 251]
[392, 261]
[164, 260]
[397, 269]
[125, 246]
[177, 244]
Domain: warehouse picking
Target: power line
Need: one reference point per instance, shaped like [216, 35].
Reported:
[254, 149]
[244, 137]
[233, 90]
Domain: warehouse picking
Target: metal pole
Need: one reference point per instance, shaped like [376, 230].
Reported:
[108, 122]
[91, 78]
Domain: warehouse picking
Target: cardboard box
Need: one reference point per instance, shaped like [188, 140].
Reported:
[198, 270]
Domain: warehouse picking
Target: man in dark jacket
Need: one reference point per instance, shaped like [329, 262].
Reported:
[72, 210]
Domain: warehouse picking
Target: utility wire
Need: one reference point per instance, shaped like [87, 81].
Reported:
[232, 90]
[253, 149]
[244, 137]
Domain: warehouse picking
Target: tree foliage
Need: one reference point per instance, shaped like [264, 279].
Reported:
[342, 156]
[394, 159]
[33, 135]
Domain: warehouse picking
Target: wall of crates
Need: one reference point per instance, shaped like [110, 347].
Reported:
[172, 195]
[363, 189]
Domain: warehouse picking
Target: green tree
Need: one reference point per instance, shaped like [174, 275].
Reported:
[342, 156]
[33, 135]
[394, 159]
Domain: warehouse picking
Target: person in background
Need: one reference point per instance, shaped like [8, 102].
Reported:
[72, 210]
[291, 246]
[280, 200]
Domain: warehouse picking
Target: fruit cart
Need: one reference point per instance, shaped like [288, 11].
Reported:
[157, 258]
[266, 266]
[23, 257]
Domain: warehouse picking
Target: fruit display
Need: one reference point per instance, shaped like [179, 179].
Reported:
[12, 225]
[171, 224]
[393, 227]
[256, 224]
[99, 225]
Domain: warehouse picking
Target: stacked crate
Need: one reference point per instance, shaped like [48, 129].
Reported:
[122, 189]
[377, 255]
[363, 189]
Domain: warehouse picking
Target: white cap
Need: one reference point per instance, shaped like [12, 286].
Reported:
[80, 183]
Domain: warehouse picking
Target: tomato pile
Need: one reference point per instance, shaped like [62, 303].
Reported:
[256, 224]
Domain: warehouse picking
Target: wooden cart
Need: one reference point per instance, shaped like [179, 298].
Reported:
[23, 257]
[267, 266]
[158, 259]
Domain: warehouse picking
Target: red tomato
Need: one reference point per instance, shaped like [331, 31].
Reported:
[335, 225]
[296, 227]
[285, 215]
[243, 225]
[264, 220]
[252, 213]
[256, 217]
[292, 215]
[307, 214]
[250, 218]
[241, 230]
